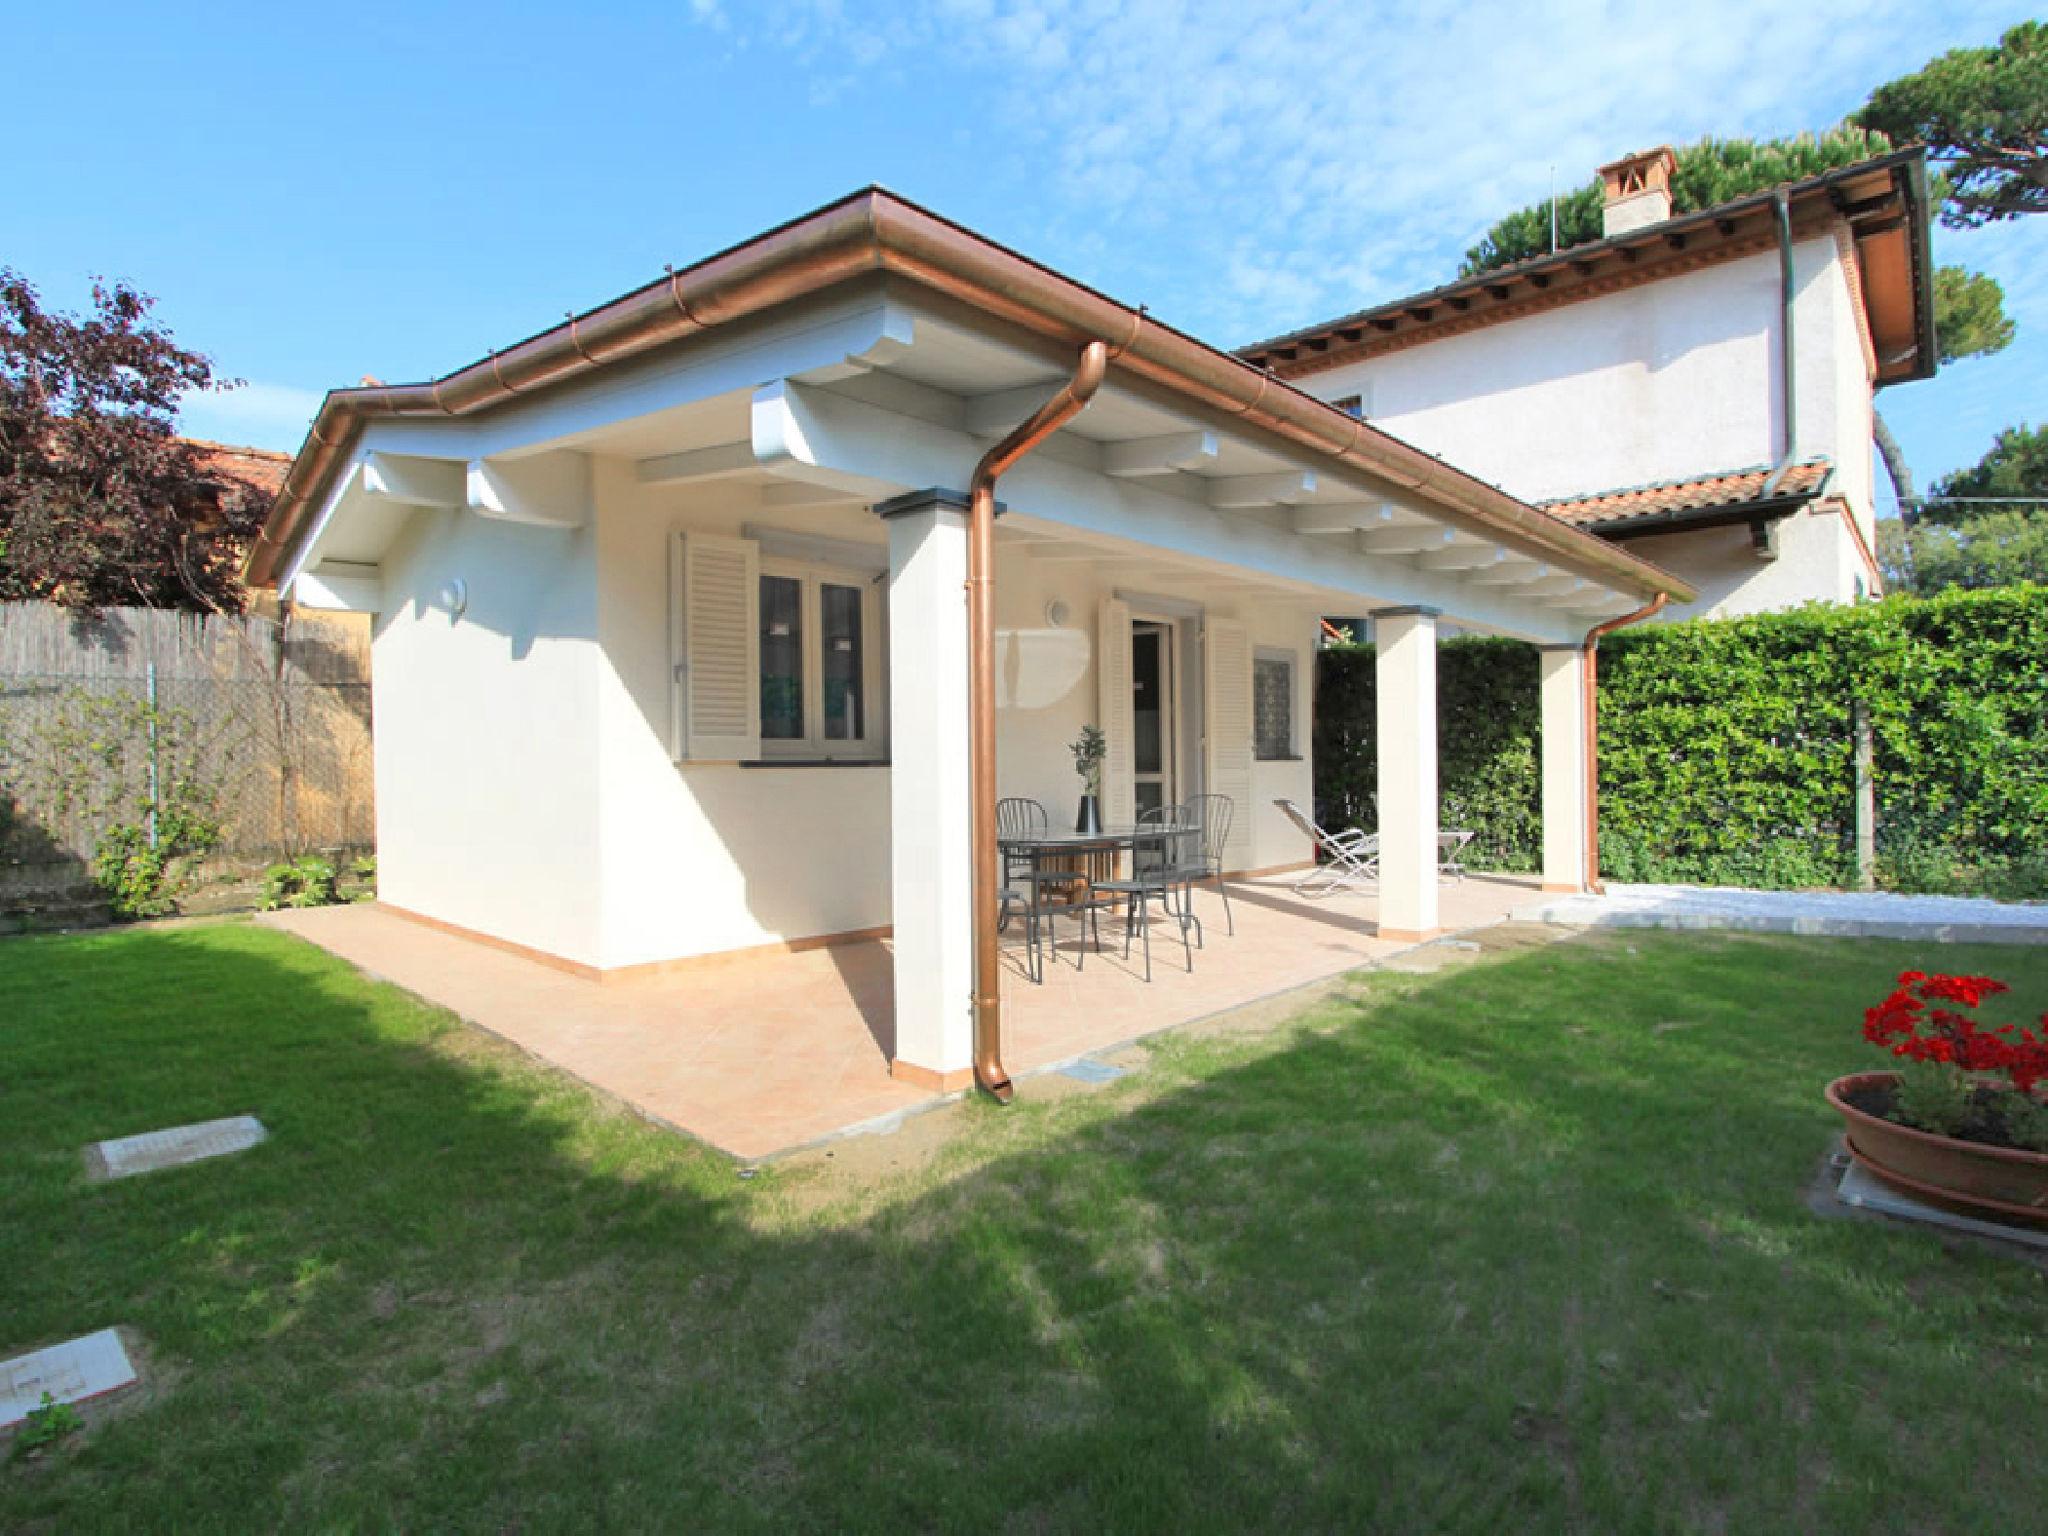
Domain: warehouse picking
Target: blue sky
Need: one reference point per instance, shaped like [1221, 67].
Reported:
[317, 194]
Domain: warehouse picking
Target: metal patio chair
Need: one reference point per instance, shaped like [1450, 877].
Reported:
[1024, 880]
[1210, 816]
[1353, 856]
[1159, 869]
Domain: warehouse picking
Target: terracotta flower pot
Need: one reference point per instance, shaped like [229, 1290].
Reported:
[1996, 1182]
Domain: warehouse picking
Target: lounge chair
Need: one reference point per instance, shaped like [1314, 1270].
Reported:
[1351, 858]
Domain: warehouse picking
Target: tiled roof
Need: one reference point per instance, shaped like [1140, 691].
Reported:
[1710, 493]
[258, 468]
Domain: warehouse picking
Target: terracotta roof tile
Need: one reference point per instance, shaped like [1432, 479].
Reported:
[258, 468]
[1708, 493]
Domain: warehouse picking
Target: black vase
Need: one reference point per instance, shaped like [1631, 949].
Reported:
[1089, 822]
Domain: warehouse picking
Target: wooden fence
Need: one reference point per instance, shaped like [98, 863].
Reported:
[103, 717]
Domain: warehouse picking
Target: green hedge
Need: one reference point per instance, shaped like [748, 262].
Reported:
[1726, 745]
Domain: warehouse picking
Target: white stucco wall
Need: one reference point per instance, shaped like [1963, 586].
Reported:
[486, 732]
[1665, 381]
[1818, 561]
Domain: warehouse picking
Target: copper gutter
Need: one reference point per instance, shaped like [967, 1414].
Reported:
[1591, 711]
[981, 698]
[876, 232]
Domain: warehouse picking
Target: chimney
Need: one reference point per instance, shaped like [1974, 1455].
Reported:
[1638, 189]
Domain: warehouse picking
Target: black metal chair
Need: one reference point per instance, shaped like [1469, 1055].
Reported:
[1211, 816]
[1025, 881]
[1159, 865]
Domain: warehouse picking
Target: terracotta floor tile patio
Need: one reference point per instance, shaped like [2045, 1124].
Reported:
[760, 1054]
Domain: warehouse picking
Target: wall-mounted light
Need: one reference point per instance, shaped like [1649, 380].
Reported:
[1056, 614]
[455, 598]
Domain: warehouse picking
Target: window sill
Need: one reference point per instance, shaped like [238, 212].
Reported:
[1295, 757]
[815, 762]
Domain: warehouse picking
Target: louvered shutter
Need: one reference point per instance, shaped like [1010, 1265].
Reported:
[1227, 730]
[1113, 711]
[715, 608]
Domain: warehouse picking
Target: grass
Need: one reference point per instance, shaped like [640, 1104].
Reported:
[1523, 1244]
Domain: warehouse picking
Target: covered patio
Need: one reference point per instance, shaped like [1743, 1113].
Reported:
[759, 1054]
[704, 636]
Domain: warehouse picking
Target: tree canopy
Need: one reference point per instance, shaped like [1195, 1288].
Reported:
[1962, 543]
[101, 503]
[1709, 172]
[1983, 115]
[2016, 465]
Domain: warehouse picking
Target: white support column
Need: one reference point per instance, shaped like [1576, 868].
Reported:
[931, 849]
[1405, 640]
[1565, 767]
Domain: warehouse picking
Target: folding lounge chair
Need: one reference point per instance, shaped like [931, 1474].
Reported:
[1352, 857]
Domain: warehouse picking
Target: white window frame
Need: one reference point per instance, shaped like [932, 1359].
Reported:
[1292, 662]
[814, 746]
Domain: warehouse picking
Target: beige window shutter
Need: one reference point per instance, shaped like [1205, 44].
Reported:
[1113, 711]
[715, 629]
[1227, 729]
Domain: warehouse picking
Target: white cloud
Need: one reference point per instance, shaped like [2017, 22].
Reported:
[1262, 160]
[251, 415]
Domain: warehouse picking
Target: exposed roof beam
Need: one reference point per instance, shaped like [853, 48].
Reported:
[1262, 490]
[1412, 540]
[1062, 551]
[1355, 516]
[415, 481]
[1462, 557]
[698, 464]
[551, 489]
[1159, 455]
[1510, 573]
[993, 415]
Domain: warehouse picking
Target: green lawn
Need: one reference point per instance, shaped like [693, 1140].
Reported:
[1520, 1245]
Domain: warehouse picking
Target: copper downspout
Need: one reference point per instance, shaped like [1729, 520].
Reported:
[981, 698]
[1592, 713]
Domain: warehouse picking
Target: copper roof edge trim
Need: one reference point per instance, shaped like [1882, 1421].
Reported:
[1910, 161]
[876, 231]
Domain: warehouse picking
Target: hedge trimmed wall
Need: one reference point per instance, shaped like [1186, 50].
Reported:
[1727, 746]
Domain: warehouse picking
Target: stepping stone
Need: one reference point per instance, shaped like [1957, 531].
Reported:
[1087, 1070]
[70, 1372]
[125, 1156]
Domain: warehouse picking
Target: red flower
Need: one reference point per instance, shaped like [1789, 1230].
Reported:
[1904, 1025]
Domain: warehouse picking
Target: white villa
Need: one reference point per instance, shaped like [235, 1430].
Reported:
[1698, 389]
[672, 643]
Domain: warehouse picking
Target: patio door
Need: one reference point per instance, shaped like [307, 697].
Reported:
[1155, 732]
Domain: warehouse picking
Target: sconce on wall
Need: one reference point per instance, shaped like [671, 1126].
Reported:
[455, 598]
[1056, 614]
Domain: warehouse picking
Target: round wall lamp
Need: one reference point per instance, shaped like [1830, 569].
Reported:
[1056, 614]
[455, 598]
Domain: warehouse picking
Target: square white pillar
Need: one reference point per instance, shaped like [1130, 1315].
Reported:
[931, 851]
[1405, 667]
[1565, 768]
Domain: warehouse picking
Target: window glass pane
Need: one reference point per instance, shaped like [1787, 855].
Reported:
[839, 619]
[782, 658]
[1148, 718]
[1272, 708]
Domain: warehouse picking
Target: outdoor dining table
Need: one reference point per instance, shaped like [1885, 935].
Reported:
[1089, 856]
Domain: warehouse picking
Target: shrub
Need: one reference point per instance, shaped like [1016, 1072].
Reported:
[1727, 753]
[304, 882]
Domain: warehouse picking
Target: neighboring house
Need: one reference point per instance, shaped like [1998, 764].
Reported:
[1637, 385]
[257, 468]
[671, 638]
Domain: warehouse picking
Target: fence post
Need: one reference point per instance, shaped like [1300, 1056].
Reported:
[150, 674]
[1866, 798]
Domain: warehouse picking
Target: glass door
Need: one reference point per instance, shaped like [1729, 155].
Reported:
[1152, 723]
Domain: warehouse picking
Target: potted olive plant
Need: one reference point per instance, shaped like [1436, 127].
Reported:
[1089, 749]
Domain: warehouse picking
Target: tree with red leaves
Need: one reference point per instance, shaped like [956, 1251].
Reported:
[101, 503]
